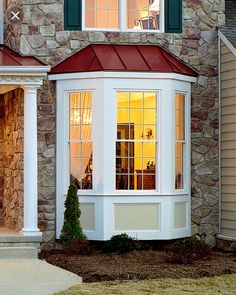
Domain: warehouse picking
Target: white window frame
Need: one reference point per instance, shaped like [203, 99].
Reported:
[158, 93]
[123, 20]
[69, 141]
[1, 22]
[184, 142]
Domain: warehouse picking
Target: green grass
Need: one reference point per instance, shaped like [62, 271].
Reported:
[217, 285]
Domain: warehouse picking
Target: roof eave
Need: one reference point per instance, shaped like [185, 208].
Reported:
[122, 74]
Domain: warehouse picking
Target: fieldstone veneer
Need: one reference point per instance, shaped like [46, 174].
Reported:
[41, 34]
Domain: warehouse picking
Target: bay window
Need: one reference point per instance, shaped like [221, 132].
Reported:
[124, 137]
[124, 15]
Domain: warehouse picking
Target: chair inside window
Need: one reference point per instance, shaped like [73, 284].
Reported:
[149, 23]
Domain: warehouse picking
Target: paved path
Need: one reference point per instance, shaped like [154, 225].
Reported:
[33, 277]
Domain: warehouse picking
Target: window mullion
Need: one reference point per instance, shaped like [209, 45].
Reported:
[122, 15]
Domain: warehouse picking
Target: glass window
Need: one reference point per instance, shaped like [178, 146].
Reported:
[180, 140]
[80, 141]
[102, 14]
[107, 14]
[136, 145]
[143, 14]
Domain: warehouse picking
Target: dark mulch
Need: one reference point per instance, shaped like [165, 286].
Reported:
[139, 265]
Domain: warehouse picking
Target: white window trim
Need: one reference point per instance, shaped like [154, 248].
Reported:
[1, 22]
[157, 141]
[122, 20]
[186, 151]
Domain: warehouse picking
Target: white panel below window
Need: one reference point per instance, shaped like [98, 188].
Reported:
[137, 217]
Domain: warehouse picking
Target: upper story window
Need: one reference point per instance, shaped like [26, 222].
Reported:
[123, 15]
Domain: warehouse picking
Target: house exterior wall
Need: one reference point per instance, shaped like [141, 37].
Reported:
[228, 142]
[41, 34]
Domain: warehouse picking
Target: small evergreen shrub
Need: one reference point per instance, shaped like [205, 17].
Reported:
[72, 230]
[121, 243]
[187, 250]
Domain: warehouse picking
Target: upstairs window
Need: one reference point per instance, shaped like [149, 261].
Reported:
[123, 15]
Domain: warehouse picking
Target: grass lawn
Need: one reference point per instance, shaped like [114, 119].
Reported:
[217, 285]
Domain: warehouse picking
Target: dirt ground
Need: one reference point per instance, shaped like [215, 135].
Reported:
[140, 265]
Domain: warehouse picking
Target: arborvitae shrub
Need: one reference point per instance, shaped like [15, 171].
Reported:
[72, 230]
[119, 243]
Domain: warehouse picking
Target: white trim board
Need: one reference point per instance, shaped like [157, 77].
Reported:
[121, 75]
[1, 23]
[227, 42]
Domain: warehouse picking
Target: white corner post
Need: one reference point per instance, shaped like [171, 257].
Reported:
[30, 162]
[1, 22]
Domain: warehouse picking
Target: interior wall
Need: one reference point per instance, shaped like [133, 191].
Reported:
[11, 158]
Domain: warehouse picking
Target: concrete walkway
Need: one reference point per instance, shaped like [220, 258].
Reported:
[33, 277]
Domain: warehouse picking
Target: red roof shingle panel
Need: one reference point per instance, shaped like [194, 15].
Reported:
[9, 58]
[107, 57]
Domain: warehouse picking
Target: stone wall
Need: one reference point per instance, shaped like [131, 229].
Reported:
[41, 34]
[12, 159]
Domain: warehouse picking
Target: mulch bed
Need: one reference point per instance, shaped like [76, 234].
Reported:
[148, 264]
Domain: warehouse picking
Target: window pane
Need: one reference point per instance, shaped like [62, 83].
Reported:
[75, 132]
[86, 132]
[122, 131]
[136, 116]
[103, 14]
[143, 14]
[123, 116]
[81, 158]
[123, 100]
[136, 156]
[180, 140]
[149, 132]
[149, 116]
[113, 19]
[136, 100]
[122, 149]
[149, 149]
[150, 100]
[75, 150]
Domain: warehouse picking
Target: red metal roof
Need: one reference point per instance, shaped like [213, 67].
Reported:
[139, 58]
[9, 58]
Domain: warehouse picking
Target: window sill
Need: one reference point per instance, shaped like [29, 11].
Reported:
[122, 31]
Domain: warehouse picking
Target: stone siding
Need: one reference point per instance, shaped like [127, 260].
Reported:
[12, 159]
[41, 34]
